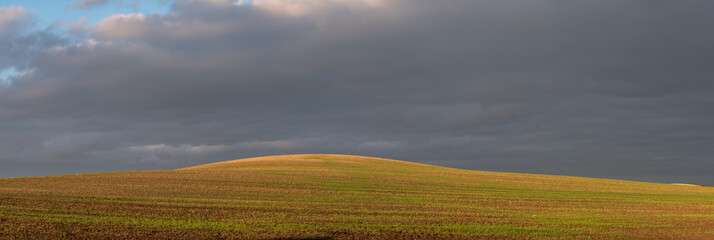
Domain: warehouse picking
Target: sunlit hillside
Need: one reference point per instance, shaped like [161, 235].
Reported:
[347, 197]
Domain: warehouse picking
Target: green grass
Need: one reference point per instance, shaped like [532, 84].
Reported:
[347, 197]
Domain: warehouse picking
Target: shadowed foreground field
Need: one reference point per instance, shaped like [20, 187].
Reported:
[347, 197]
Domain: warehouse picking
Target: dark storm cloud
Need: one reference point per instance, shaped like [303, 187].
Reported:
[618, 89]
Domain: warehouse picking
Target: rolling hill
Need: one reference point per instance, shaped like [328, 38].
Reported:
[347, 197]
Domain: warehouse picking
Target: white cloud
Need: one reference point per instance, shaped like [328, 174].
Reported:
[169, 154]
[181, 149]
[138, 26]
[12, 15]
[122, 26]
[185, 22]
[167, 149]
[304, 7]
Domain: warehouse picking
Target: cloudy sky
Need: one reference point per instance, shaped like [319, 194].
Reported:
[607, 88]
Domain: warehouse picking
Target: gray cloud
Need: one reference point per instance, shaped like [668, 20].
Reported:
[84, 4]
[12, 20]
[617, 89]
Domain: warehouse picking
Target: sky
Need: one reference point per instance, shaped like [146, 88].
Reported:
[608, 89]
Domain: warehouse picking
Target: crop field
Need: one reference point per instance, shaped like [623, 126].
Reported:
[347, 197]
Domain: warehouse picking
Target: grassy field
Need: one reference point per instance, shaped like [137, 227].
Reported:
[347, 197]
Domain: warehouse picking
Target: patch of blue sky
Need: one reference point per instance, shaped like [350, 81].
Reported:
[7, 75]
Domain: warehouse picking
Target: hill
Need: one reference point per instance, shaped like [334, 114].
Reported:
[347, 197]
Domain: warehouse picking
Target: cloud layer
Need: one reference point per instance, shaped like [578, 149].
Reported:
[618, 89]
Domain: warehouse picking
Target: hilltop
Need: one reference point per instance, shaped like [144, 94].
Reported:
[324, 196]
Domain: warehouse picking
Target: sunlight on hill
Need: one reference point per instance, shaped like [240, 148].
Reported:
[348, 197]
